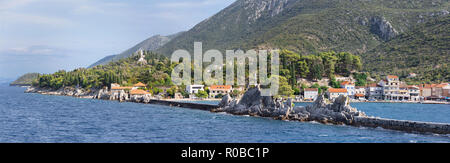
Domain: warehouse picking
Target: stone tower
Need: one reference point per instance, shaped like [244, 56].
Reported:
[142, 60]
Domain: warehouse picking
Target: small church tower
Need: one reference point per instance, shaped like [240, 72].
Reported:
[142, 60]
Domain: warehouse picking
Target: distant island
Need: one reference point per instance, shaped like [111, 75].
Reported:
[25, 80]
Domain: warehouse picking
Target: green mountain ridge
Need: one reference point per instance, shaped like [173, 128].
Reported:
[307, 26]
[424, 50]
[360, 27]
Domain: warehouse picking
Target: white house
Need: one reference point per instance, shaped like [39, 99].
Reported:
[336, 92]
[414, 93]
[374, 92]
[360, 93]
[311, 93]
[193, 89]
[215, 90]
[350, 88]
[391, 87]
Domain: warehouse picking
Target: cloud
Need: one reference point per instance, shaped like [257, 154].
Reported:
[12, 17]
[37, 50]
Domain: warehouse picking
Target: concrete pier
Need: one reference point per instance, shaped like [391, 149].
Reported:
[205, 107]
[403, 125]
[392, 124]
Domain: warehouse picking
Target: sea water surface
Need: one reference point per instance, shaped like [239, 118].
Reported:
[40, 118]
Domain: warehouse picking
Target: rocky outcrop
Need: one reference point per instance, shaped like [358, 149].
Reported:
[118, 96]
[252, 103]
[383, 28]
[66, 91]
[103, 94]
[257, 8]
[337, 112]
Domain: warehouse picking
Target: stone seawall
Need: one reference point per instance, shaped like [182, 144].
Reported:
[205, 107]
[402, 125]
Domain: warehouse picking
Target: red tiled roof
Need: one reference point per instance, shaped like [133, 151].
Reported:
[360, 95]
[138, 92]
[121, 88]
[220, 87]
[392, 77]
[346, 83]
[337, 90]
[140, 85]
[312, 89]
[441, 85]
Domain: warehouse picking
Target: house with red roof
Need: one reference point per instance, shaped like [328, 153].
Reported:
[216, 90]
[334, 93]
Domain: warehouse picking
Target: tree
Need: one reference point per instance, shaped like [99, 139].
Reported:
[316, 68]
[303, 69]
[361, 79]
[335, 84]
[202, 94]
[285, 89]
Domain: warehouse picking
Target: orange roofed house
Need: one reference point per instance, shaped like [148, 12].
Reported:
[336, 92]
[117, 88]
[215, 90]
[138, 93]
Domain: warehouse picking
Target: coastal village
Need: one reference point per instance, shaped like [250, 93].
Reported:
[389, 89]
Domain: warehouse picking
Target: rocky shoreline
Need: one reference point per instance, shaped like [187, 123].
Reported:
[253, 104]
[337, 112]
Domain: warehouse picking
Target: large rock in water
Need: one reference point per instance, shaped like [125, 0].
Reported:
[252, 103]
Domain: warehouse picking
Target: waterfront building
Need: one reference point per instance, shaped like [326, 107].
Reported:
[360, 97]
[361, 90]
[425, 90]
[193, 89]
[336, 92]
[446, 91]
[438, 89]
[117, 88]
[414, 93]
[403, 93]
[138, 93]
[310, 94]
[350, 88]
[374, 92]
[215, 90]
[391, 87]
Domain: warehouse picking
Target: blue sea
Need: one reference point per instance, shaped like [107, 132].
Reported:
[38, 118]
